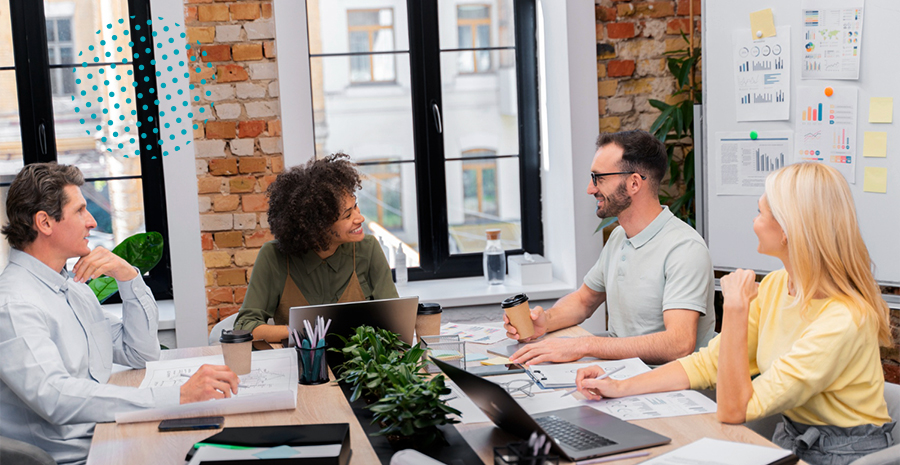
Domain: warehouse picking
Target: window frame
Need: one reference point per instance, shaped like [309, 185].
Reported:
[37, 123]
[473, 24]
[370, 31]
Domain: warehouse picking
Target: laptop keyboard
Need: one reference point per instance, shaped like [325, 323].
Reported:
[573, 436]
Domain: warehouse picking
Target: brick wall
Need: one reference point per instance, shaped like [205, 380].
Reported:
[632, 37]
[238, 150]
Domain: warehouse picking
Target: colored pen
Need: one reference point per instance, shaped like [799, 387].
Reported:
[221, 446]
[603, 376]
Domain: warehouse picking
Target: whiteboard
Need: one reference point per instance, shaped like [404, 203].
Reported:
[727, 220]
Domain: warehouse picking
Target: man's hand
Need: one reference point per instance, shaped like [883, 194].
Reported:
[209, 382]
[555, 350]
[595, 389]
[102, 262]
[538, 317]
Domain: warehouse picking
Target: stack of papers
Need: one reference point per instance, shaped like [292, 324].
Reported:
[478, 334]
[270, 385]
[658, 405]
[716, 452]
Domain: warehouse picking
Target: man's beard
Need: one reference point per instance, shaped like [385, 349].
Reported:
[614, 204]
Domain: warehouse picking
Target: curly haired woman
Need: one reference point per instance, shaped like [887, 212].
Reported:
[320, 254]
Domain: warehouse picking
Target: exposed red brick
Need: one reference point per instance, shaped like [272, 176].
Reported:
[244, 11]
[231, 73]
[684, 7]
[228, 239]
[277, 164]
[254, 202]
[241, 184]
[220, 130]
[206, 73]
[210, 13]
[232, 277]
[251, 128]
[216, 53]
[206, 241]
[190, 14]
[266, 10]
[604, 13]
[269, 48]
[212, 316]
[222, 167]
[620, 30]
[275, 127]
[225, 312]
[266, 180]
[239, 293]
[247, 52]
[678, 25]
[209, 185]
[258, 238]
[253, 165]
[226, 203]
[219, 295]
[204, 35]
[619, 68]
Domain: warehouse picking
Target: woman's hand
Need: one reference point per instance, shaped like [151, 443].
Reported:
[596, 389]
[739, 289]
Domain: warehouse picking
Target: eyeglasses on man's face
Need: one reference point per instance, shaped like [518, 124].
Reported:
[595, 177]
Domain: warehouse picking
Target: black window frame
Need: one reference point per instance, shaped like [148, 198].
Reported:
[32, 70]
[435, 259]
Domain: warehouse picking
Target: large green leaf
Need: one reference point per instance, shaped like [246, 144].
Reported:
[143, 250]
[103, 287]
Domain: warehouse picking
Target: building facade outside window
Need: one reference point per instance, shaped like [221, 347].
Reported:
[473, 23]
[371, 31]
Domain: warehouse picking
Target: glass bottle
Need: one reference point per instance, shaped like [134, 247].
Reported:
[400, 271]
[494, 258]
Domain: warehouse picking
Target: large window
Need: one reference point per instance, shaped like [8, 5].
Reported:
[52, 111]
[449, 146]
[371, 31]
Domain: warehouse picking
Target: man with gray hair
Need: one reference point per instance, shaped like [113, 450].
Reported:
[58, 345]
[654, 273]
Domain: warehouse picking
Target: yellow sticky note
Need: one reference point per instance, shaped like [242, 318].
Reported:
[881, 110]
[875, 180]
[762, 24]
[496, 361]
[875, 144]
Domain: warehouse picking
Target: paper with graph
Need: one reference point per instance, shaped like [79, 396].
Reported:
[744, 159]
[660, 405]
[270, 385]
[826, 127]
[831, 39]
[762, 75]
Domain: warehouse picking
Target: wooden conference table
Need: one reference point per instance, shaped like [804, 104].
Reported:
[139, 443]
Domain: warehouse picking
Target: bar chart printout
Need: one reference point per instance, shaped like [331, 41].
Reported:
[762, 76]
[832, 39]
[828, 127]
[742, 163]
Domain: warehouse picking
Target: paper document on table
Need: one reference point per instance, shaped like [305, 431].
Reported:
[709, 451]
[659, 405]
[270, 385]
[478, 334]
[562, 375]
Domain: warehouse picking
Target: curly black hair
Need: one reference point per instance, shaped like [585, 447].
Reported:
[305, 202]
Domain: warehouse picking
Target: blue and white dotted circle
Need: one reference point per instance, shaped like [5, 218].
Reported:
[105, 99]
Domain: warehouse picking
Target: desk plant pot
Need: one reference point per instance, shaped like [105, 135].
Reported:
[370, 356]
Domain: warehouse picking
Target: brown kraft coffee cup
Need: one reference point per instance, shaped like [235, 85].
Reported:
[428, 320]
[236, 349]
[519, 315]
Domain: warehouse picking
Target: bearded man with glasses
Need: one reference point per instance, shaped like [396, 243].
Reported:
[654, 274]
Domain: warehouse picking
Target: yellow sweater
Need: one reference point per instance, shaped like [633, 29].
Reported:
[823, 369]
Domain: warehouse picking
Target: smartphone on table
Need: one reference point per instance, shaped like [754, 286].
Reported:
[188, 424]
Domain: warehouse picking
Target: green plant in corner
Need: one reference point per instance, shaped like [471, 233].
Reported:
[142, 250]
[674, 127]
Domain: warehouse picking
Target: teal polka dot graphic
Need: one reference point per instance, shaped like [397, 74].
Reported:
[128, 101]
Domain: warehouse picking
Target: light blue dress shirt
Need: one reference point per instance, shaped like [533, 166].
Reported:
[58, 347]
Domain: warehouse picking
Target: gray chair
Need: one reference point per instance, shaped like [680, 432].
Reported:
[227, 323]
[22, 453]
[891, 455]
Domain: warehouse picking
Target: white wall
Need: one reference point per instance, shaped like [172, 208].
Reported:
[179, 170]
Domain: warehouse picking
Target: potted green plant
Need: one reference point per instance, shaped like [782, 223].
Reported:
[370, 356]
[411, 409]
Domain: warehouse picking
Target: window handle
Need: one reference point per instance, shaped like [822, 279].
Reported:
[42, 138]
[437, 117]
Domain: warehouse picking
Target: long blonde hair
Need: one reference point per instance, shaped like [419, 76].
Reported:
[813, 204]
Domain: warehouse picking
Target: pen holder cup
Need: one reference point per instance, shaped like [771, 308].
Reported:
[312, 365]
[444, 348]
[520, 454]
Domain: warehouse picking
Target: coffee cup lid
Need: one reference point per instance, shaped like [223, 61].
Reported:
[429, 308]
[231, 336]
[514, 300]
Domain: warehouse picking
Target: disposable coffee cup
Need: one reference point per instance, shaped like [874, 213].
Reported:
[236, 349]
[519, 315]
[428, 320]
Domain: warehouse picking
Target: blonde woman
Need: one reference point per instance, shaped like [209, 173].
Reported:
[811, 330]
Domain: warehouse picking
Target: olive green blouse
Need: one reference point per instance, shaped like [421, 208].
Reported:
[320, 281]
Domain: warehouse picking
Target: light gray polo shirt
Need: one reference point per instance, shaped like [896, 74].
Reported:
[665, 266]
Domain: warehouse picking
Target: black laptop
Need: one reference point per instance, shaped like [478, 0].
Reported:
[397, 315]
[578, 433]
